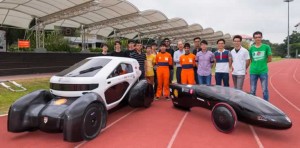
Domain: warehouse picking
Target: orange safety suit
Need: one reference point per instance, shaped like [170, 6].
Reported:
[187, 62]
[163, 61]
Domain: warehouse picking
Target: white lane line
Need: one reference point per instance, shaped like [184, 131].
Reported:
[176, 131]
[3, 115]
[294, 75]
[284, 98]
[110, 125]
[260, 145]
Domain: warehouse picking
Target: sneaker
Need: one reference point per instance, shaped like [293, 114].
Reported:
[168, 98]
[156, 98]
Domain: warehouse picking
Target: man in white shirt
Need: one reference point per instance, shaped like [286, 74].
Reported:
[177, 55]
[241, 61]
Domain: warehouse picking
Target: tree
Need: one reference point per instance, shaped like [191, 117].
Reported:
[294, 43]
[246, 44]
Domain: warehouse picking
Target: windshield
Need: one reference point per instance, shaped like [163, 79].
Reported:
[85, 68]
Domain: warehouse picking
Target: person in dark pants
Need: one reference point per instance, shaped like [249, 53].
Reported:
[176, 59]
[118, 51]
[171, 52]
[104, 50]
[197, 48]
[130, 49]
[140, 56]
[223, 61]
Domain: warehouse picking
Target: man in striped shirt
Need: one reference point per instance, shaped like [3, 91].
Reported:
[140, 56]
[223, 61]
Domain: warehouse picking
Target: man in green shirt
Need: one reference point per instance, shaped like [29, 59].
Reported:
[260, 55]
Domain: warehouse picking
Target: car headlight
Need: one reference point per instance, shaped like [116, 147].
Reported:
[288, 119]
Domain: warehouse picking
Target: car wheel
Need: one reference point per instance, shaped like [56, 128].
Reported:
[224, 117]
[92, 121]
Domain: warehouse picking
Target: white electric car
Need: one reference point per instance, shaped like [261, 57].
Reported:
[80, 97]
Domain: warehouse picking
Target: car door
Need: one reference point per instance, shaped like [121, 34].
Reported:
[118, 82]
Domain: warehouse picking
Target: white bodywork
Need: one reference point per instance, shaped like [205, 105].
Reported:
[101, 78]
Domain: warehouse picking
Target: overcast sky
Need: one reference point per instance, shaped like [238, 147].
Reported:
[232, 16]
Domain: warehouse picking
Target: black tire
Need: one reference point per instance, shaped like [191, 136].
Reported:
[141, 95]
[224, 117]
[92, 121]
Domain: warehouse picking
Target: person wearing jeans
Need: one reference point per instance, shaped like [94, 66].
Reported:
[205, 60]
[260, 56]
[223, 60]
[264, 84]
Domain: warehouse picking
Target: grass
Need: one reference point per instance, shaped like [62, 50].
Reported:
[276, 59]
[7, 97]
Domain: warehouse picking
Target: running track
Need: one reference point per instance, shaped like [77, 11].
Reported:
[163, 126]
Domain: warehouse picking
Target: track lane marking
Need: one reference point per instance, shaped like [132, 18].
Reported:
[110, 125]
[3, 115]
[177, 130]
[284, 98]
[260, 145]
[294, 74]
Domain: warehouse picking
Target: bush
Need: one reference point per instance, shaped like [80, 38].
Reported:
[95, 49]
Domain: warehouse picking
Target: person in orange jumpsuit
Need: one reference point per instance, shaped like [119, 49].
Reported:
[187, 62]
[164, 61]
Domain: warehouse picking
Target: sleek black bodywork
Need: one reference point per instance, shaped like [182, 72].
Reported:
[248, 108]
[39, 110]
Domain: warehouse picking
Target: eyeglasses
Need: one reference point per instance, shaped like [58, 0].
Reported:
[257, 37]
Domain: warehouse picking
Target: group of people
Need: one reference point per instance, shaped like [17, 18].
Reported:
[157, 64]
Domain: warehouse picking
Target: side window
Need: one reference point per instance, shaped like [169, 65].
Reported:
[121, 69]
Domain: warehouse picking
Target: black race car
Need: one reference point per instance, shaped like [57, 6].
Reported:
[80, 97]
[229, 105]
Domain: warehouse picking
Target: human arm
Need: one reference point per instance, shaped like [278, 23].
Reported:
[269, 52]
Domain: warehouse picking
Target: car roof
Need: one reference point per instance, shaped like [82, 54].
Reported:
[122, 59]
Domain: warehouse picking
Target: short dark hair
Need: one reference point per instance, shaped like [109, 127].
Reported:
[166, 39]
[131, 41]
[148, 46]
[187, 45]
[104, 45]
[197, 38]
[237, 37]
[153, 44]
[204, 42]
[163, 44]
[117, 42]
[257, 33]
[220, 40]
[138, 42]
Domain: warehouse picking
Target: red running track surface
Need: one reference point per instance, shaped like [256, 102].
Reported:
[163, 126]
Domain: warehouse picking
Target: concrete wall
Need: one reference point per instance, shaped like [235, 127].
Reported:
[32, 63]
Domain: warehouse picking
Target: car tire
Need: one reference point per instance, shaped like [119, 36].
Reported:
[141, 95]
[92, 121]
[224, 117]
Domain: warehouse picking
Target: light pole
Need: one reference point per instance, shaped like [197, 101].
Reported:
[288, 42]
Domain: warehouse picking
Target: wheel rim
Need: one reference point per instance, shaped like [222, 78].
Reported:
[223, 119]
[92, 122]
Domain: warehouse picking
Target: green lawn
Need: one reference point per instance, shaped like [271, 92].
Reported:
[7, 97]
